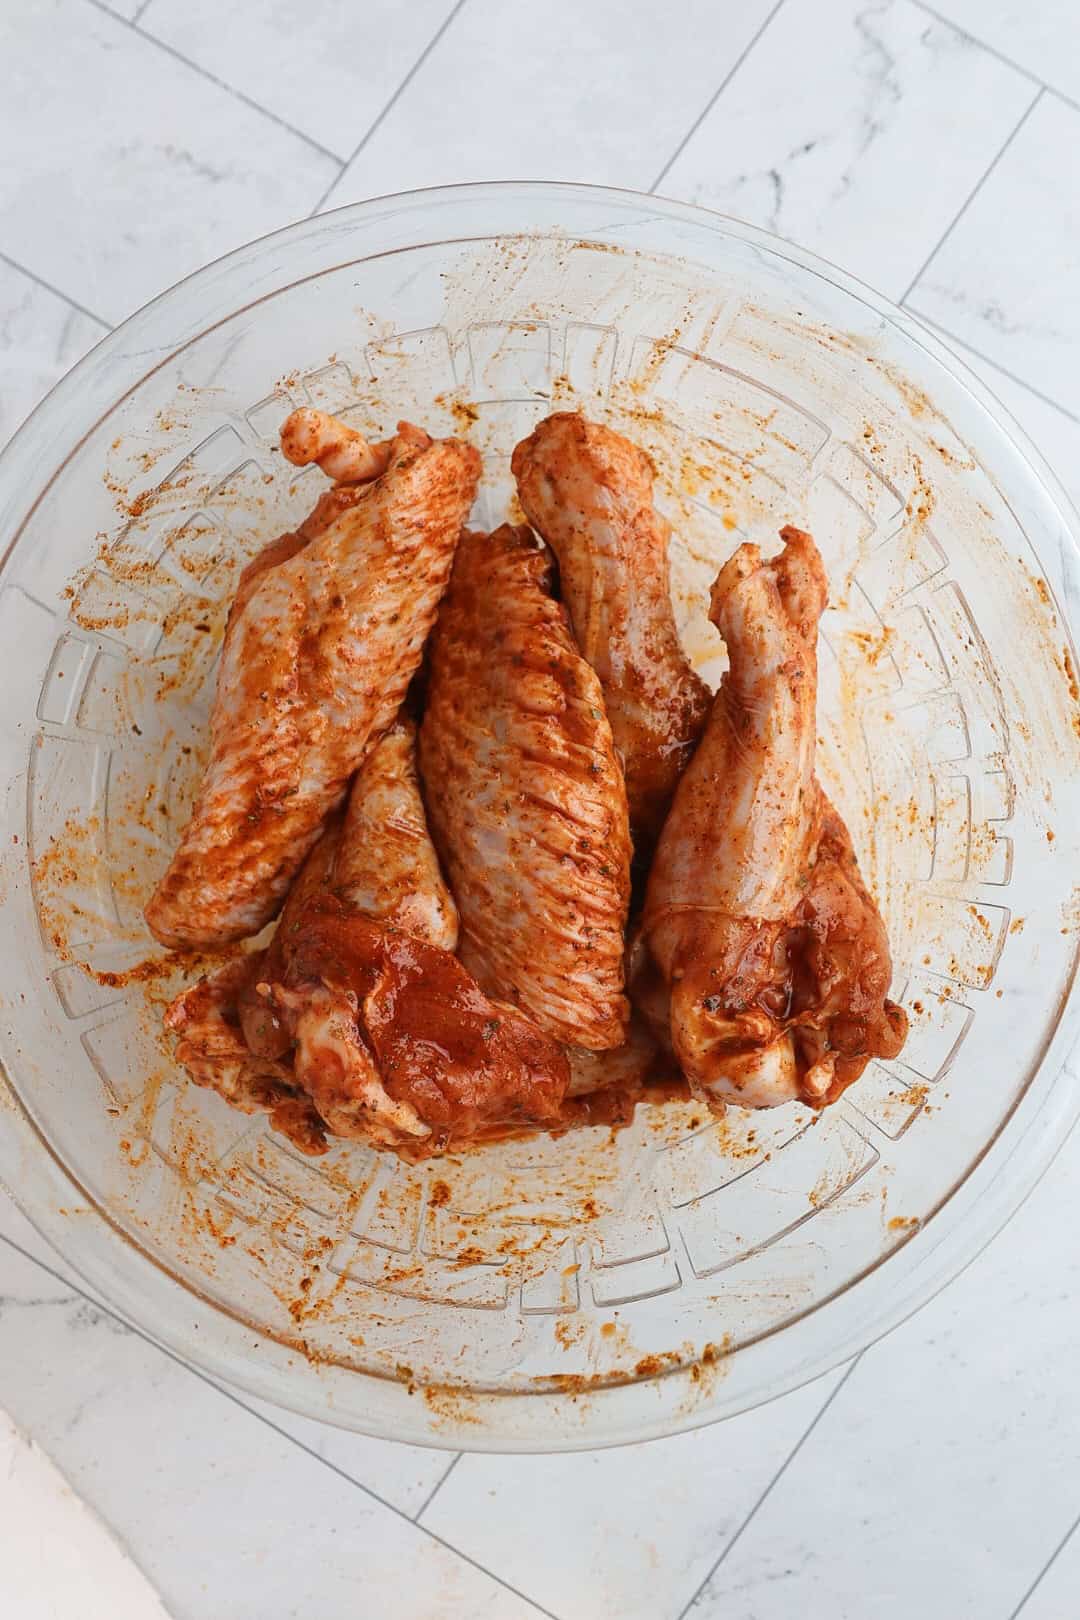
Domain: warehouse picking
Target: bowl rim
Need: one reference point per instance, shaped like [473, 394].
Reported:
[994, 1186]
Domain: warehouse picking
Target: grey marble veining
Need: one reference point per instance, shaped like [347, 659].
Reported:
[840, 131]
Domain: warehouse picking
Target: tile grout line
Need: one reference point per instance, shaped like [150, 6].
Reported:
[766, 1493]
[714, 98]
[1047, 1567]
[388, 108]
[31, 275]
[204, 1378]
[957, 217]
[212, 78]
[356, 1484]
[962, 343]
[992, 50]
[228, 1395]
[435, 1489]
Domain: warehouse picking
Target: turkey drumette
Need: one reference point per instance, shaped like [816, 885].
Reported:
[757, 921]
[588, 491]
[324, 635]
[525, 795]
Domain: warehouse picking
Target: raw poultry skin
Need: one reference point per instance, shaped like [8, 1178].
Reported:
[339, 450]
[757, 920]
[525, 795]
[386, 865]
[325, 633]
[376, 857]
[588, 491]
[212, 1048]
[396, 1043]
[358, 1020]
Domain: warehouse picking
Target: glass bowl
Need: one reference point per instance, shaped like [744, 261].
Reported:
[603, 1287]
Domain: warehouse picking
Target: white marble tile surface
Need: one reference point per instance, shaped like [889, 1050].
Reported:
[403, 1476]
[841, 132]
[223, 1514]
[1006, 278]
[313, 68]
[571, 92]
[1044, 38]
[636, 1529]
[946, 1473]
[41, 337]
[1056, 1595]
[58, 1558]
[151, 170]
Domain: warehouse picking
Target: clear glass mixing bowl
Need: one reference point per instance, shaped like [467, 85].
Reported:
[604, 1287]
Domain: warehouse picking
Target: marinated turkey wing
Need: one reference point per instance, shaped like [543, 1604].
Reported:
[326, 631]
[772, 950]
[386, 866]
[212, 1048]
[525, 796]
[396, 1044]
[357, 1020]
[376, 856]
[588, 491]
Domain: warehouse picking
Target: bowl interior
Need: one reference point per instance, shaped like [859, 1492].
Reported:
[603, 1285]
